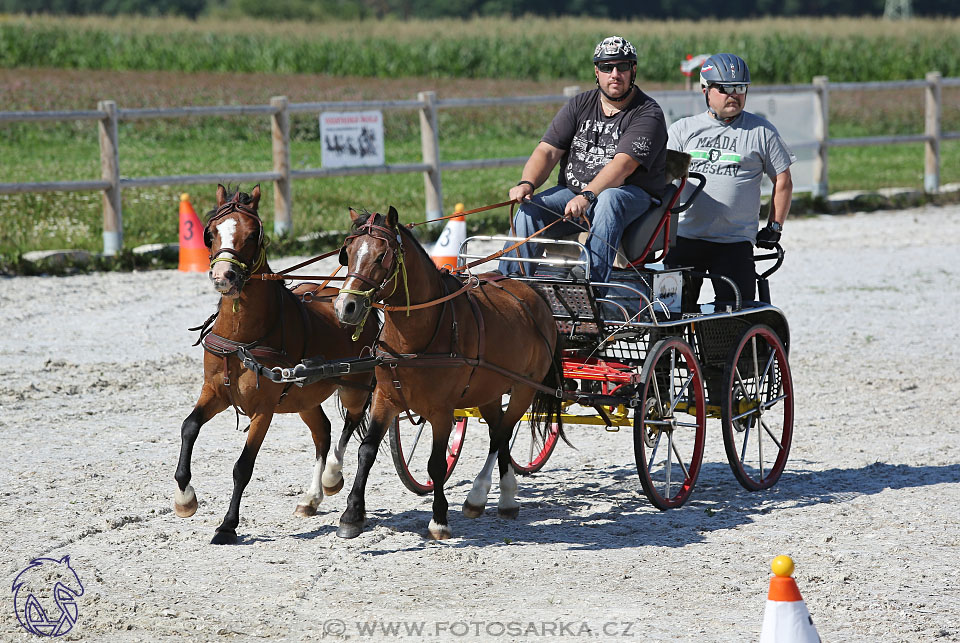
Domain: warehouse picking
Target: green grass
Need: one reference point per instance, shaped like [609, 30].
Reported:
[74, 220]
[70, 151]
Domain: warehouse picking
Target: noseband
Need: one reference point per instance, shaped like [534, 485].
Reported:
[392, 261]
[244, 269]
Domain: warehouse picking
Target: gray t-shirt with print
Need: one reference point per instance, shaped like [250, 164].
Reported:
[590, 139]
[734, 157]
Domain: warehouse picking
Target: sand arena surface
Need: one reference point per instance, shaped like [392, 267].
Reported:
[100, 374]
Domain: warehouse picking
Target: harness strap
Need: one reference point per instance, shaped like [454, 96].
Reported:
[481, 339]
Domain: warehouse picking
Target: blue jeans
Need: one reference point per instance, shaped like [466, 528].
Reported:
[614, 210]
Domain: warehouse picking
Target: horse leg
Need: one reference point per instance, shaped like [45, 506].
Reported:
[208, 405]
[242, 472]
[520, 399]
[355, 402]
[332, 478]
[476, 500]
[319, 425]
[439, 527]
[355, 515]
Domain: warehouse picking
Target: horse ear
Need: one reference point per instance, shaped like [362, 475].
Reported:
[255, 196]
[393, 217]
[221, 195]
[353, 215]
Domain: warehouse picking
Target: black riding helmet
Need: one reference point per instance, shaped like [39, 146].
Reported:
[616, 48]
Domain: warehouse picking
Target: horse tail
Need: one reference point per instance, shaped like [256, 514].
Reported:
[364, 423]
[548, 407]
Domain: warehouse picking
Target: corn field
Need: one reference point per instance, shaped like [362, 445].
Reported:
[778, 51]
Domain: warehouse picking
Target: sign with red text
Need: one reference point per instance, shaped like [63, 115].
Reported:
[352, 139]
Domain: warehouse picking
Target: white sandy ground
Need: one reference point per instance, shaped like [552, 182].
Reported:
[99, 373]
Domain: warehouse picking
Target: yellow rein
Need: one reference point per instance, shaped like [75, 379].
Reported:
[368, 294]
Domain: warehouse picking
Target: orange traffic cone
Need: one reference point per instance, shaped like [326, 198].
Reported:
[444, 252]
[786, 619]
[193, 254]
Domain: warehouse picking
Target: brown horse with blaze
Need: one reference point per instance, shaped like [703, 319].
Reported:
[445, 347]
[279, 326]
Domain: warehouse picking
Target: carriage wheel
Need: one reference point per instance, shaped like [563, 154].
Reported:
[530, 448]
[669, 423]
[410, 445]
[757, 408]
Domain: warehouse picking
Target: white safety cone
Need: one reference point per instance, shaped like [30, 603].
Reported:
[444, 252]
[786, 619]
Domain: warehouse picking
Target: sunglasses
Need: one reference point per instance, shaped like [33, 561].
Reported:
[620, 66]
[731, 89]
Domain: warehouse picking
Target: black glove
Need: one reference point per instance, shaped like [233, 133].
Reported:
[768, 237]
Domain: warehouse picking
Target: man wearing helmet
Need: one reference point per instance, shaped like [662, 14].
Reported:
[734, 149]
[611, 146]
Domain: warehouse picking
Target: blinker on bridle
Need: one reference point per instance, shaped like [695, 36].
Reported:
[392, 261]
[244, 269]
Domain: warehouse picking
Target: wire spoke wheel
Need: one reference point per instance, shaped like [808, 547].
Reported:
[757, 408]
[410, 445]
[669, 423]
[530, 448]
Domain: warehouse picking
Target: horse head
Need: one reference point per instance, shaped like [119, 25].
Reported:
[373, 255]
[234, 237]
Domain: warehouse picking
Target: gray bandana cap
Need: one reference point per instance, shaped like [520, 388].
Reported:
[614, 48]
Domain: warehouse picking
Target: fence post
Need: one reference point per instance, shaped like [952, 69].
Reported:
[934, 110]
[280, 127]
[821, 115]
[571, 90]
[110, 172]
[430, 146]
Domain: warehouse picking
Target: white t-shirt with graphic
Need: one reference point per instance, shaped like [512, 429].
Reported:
[734, 157]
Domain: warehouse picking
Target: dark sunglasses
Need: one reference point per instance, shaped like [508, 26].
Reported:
[606, 68]
[731, 89]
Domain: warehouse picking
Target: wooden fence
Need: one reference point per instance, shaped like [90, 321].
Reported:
[108, 115]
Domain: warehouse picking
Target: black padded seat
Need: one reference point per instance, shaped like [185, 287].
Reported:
[637, 235]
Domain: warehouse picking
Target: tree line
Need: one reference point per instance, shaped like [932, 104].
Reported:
[320, 10]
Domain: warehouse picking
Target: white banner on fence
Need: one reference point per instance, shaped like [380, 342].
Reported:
[352, 138]
[792, 115]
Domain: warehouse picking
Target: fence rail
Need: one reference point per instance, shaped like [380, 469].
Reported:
[112, 184]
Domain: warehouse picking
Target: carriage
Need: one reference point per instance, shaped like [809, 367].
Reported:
[636, 351]
[640, 354]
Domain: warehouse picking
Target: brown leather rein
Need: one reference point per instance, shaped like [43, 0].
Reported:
[471, 282]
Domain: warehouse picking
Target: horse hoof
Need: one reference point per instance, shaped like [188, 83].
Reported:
[472, 511]
[350, 529]
[334, 490]
[224, 537]
[185, 510]
[510, 513]
[305, 511]
[438, 531]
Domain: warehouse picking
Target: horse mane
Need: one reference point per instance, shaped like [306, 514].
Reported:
[364, 216]
[243, 198]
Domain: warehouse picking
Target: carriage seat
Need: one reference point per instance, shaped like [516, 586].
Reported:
[638, 234]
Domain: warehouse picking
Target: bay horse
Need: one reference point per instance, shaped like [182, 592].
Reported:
[468, 351]
[279, 326]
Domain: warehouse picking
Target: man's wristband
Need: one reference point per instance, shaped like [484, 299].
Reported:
[525, 182]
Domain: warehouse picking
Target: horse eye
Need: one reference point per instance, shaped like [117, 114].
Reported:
[380, 258]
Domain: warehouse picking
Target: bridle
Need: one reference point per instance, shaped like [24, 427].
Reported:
[245, 270]
[392, 261]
